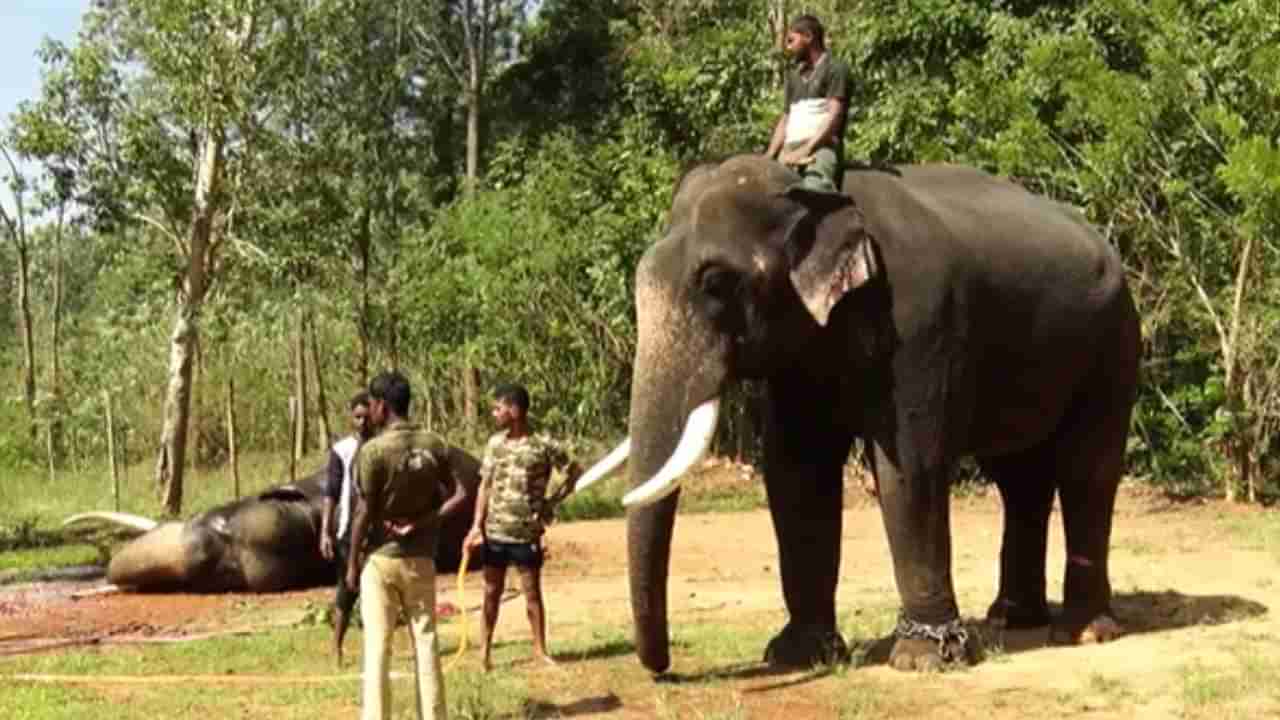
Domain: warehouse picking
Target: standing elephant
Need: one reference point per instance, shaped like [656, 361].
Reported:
[933, 311]
[265, 543]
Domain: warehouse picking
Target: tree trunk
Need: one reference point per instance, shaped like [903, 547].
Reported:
[364, 252]
[177, 406]
[232, 451]
[322, 401]
[778, 31]
[1238, 440]
[111, 451]
[293, 433]
[474, 91]
[193, 418]
[470, 396]
[55, 344]
[300, 387]
[28, 343]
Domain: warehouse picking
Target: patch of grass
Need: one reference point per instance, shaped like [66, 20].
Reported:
[29, 496]
[1255, 531]
[862, 701]
[719, 499]
[1111, 688]
[598, 502]
[40, 701]
[1211, 690]
[474, 696]
[279, 655]
[22, 565]
[1141, 548]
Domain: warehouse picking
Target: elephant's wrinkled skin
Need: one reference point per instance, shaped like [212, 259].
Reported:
[265, 543]
[934, 312]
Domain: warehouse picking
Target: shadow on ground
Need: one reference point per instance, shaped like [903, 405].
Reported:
[537, 709]
[1139, 612]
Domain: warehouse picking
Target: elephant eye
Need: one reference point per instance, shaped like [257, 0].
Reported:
[718, 283]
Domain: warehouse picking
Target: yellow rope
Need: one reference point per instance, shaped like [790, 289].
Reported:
[462, 608]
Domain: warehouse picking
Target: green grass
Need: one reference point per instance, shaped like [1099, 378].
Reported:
[30, 499]
[22, 565]
[1254, 530]
[299, 653]
[1227, 691]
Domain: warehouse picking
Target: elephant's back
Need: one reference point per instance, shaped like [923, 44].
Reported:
[1026, 244]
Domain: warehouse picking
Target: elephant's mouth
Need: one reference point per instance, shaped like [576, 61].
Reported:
[699, 429]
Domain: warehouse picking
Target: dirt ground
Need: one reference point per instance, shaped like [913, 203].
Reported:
[1190, 592]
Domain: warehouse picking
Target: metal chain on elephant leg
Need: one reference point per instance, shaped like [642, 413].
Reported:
[952, 637]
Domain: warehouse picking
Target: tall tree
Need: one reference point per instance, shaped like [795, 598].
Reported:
[15, 226]
[205, 74]
[482, 32]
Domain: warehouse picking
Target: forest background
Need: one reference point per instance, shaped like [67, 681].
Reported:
[233, 212]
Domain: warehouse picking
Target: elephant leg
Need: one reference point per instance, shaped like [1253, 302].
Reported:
[1092, 458]
[804, 460]
[916, 510]
[1026, 482]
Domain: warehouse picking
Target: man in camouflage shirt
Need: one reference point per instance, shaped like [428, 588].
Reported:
[405, 486]
[512, 509]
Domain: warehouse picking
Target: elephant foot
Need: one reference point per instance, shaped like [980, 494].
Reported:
[1100, 629]
[805, 646]
[1007, 615]
[927, 648]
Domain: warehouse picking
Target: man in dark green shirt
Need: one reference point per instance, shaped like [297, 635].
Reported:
[809, 137]
[404, 487]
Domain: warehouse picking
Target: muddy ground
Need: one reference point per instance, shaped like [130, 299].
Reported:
[1194, 591]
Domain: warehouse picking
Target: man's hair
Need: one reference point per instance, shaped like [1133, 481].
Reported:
[392, 387]
[811, 26]
[513, 394]
[360, 398]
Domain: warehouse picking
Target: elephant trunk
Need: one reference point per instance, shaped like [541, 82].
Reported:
[677, 369]
[649, 530]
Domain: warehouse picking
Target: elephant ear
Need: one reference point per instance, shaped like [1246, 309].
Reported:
[829, 250]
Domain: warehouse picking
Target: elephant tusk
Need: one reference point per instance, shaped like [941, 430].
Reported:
[610, 463]
[137, 522]
[694, 443]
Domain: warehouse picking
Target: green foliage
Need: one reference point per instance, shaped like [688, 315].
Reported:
[348, 127]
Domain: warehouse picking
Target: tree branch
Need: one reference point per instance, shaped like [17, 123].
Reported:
[177, 241]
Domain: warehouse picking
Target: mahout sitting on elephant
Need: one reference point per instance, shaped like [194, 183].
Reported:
[265, 543]
[933, 312]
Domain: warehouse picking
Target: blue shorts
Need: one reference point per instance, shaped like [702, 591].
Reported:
[501, 554]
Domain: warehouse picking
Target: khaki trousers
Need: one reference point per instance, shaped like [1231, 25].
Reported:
[389, 585]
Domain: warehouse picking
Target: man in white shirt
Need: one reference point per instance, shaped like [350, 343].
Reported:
[335, 537]
[809, 137]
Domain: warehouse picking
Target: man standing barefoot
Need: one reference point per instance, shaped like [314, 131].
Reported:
[512, 509]
[335, 535]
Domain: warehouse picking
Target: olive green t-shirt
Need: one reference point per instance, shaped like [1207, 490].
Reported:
[402, 475]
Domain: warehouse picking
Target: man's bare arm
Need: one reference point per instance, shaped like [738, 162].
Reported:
[326, 528]
[359, 528]
[779, 137]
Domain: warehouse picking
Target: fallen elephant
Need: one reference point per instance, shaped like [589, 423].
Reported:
[265, 543]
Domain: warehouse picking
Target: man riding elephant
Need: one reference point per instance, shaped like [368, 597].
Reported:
[809, 137]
